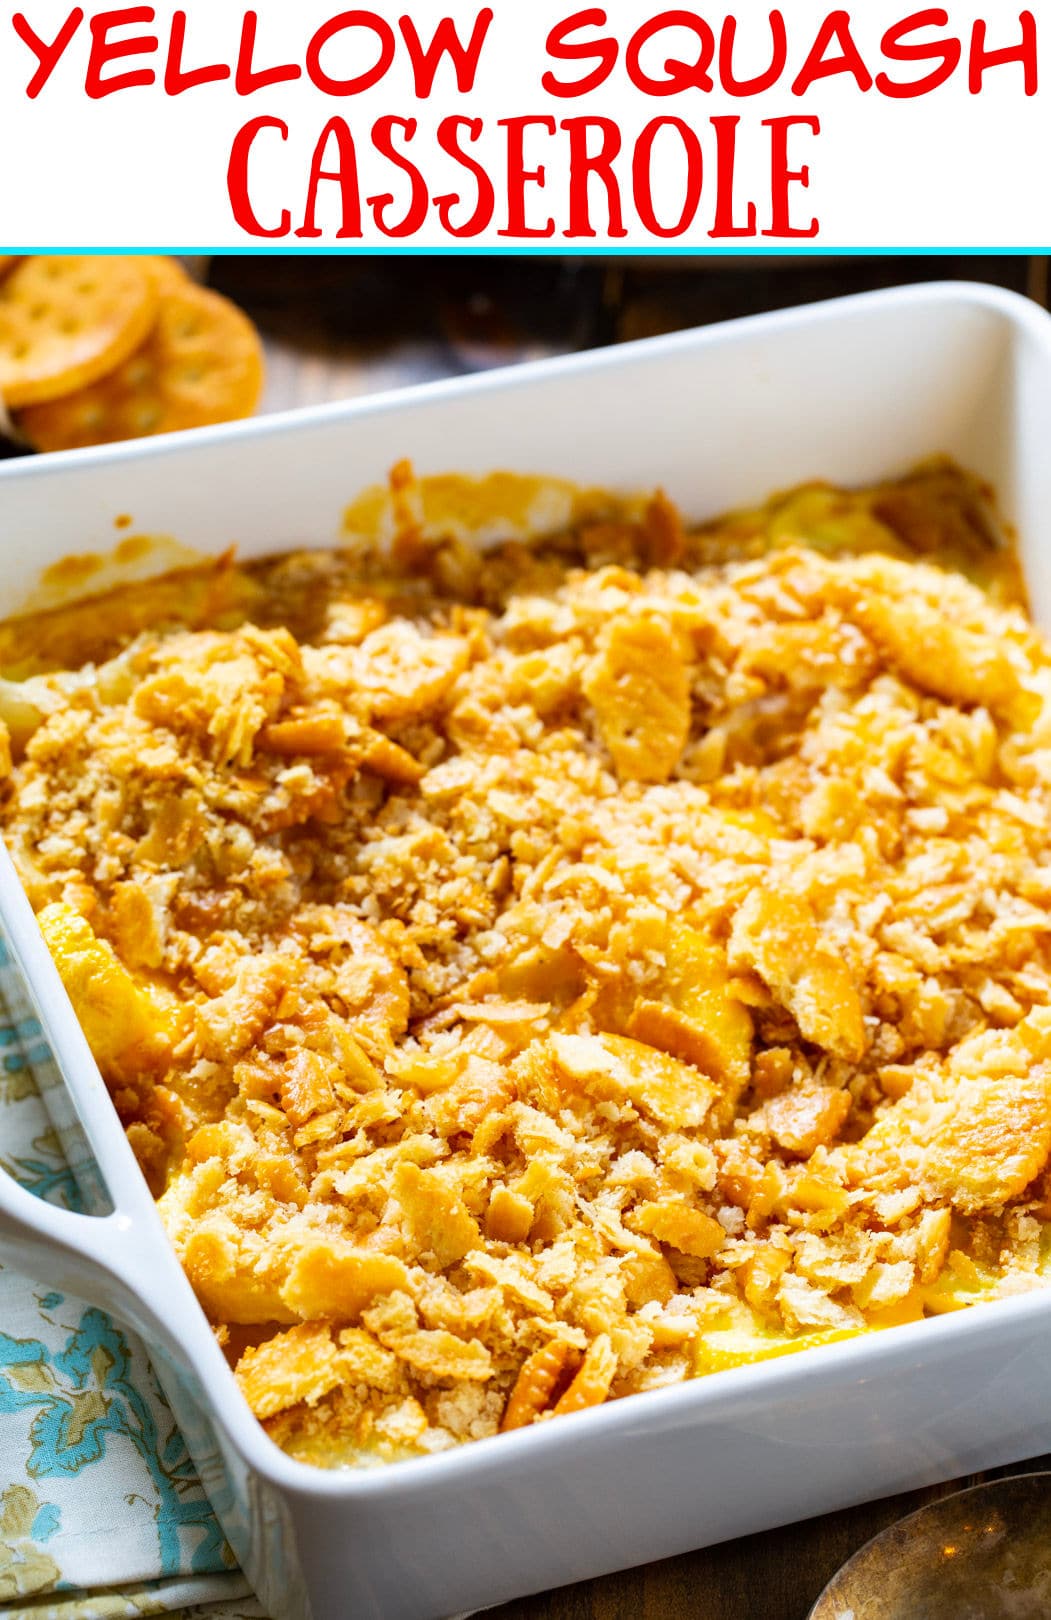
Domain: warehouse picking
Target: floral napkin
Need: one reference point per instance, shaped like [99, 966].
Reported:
[101, 1512]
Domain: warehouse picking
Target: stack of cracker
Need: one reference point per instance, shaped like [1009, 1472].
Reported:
[103, 348]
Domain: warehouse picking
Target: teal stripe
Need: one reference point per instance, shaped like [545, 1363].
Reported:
[562, 249]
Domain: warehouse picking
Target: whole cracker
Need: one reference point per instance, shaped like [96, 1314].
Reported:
[201, 363]
[66, 321]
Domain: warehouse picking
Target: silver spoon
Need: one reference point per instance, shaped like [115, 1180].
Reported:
[981, 1554]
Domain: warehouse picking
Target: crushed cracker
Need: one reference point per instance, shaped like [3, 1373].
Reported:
[529, 984]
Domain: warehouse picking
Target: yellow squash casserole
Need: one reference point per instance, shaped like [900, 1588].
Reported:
[533, 979]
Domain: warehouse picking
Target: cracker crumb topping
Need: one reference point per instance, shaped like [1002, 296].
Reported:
[530, 981]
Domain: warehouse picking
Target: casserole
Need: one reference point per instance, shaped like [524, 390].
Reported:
[693, 1464]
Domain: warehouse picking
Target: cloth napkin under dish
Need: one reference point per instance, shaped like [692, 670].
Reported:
[102, 1515]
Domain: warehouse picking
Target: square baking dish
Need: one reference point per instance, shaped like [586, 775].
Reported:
[850, 391]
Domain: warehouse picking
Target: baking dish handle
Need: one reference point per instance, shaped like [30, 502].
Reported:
[74, 1252]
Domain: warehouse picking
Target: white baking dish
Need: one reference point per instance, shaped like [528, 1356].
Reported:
[848, 391]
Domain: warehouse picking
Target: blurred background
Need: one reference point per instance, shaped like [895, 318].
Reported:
[337, 327]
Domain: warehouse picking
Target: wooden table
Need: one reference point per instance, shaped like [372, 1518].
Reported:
[337, 327]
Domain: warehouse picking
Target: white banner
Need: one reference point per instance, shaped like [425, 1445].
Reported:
[524, 126]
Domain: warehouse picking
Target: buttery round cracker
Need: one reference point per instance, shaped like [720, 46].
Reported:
[66, 321]
[201, 363]
[167, 273]
[6, 261]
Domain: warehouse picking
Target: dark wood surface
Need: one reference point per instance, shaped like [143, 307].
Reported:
[335, 328]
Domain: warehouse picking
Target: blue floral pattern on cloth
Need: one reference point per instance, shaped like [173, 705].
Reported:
[102, 1514]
